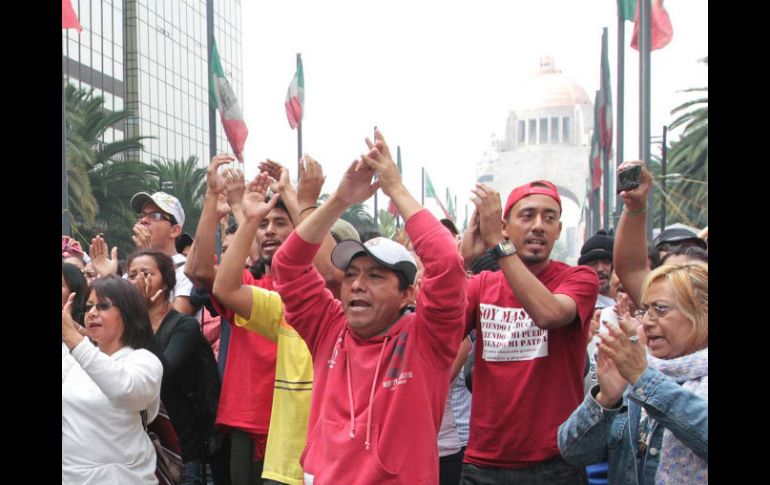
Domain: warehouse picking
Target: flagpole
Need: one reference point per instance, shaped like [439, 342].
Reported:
[645, 43]
[376, 226]
[422, 188]
[212, 110]
[299, 126]
[398, 158]
[65, 211]
[606, 149]
[621, 98]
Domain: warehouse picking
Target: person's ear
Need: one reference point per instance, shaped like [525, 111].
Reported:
[408, 296]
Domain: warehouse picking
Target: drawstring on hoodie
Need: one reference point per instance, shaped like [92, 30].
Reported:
[371, 396]
[350, 397]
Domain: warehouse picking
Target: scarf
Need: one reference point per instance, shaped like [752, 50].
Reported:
[678, 464]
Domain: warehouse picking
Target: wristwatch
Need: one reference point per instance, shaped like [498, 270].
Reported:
[503, 249]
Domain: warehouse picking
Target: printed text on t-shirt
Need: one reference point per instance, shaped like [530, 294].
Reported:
[510, 335]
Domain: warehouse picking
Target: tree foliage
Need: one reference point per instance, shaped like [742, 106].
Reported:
[100, 179]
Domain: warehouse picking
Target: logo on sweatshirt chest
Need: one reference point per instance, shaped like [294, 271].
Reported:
[396, 374]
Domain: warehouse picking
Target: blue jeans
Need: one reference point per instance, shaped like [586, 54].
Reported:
[555, 471]
[191, 473]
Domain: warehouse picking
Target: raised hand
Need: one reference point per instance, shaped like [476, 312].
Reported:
[144, 285]
[379, 160]
[215, 181]
[627, 353]
[490, 214]
[235, 186]
[611, 384]
[254, 205]
[141, 237]
[279, 173]
[69, 327]
[102, 264]
[472, 246]
[311, 180]
[356, 185]
[623, 308]
[636, 200]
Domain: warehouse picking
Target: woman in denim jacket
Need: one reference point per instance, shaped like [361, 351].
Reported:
[648, 416]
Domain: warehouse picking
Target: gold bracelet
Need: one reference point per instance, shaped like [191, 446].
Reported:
[308, 208]
[633, 213]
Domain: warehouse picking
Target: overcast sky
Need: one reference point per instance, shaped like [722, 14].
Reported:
[437, 77]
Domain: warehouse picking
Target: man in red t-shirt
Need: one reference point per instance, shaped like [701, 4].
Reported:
[246, 398]
[532, 321]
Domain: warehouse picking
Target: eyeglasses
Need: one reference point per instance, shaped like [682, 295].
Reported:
[653, 312]
[155, 216]
[102, 307]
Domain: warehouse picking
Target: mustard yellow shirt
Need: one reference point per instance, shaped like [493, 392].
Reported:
[293, 387]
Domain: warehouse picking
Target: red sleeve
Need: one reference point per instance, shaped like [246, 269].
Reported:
[310, 307]
[471, 311]
[582, 285]
[246, 279]
[441, 301]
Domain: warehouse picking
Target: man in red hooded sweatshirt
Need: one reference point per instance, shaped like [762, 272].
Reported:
[381, 372]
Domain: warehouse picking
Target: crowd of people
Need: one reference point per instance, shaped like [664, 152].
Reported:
[308, 353]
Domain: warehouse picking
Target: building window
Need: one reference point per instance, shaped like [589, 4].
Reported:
[565, 130]
[520, 132]
[554, 130]
[532, 134]
[543, 130]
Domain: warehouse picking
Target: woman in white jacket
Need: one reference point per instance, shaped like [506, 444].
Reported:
[105, 387]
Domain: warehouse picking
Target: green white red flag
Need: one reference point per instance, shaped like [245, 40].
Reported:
[69, 20]
[660, 27]
[223, 98]
[431, 192]
[295, 97]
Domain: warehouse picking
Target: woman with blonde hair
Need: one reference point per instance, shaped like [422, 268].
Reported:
[648, 416]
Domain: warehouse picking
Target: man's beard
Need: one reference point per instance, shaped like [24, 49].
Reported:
[267, 260]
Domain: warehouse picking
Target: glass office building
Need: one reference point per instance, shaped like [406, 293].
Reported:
[150, 56]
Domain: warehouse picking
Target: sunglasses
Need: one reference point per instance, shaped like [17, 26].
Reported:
[102, 307]
[155, 216]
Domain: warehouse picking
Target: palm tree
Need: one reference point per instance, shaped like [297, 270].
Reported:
[183, 179]
[387, 224]
[360, 218]
[99, 178]
[686, 197]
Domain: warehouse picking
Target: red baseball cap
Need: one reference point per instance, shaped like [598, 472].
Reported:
[543, 187]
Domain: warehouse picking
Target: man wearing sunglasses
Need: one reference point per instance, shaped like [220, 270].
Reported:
[160, 218]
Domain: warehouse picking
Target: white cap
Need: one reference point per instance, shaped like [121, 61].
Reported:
[166, 202]
[388, 253]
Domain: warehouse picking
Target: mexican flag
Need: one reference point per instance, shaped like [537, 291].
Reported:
[69, 20]
[431, 192]
[661, 30]
[450, 205]
[223, 99]
[295, 96]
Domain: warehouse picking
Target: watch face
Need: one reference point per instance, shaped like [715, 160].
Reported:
[508, 247]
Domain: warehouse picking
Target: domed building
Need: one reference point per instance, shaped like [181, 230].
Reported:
[547, 136]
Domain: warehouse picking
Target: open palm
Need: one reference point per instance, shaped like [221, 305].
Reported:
[254, 204]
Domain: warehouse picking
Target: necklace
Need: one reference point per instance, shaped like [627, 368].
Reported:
[645, 432]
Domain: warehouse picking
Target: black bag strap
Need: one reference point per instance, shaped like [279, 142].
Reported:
[143, 414]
